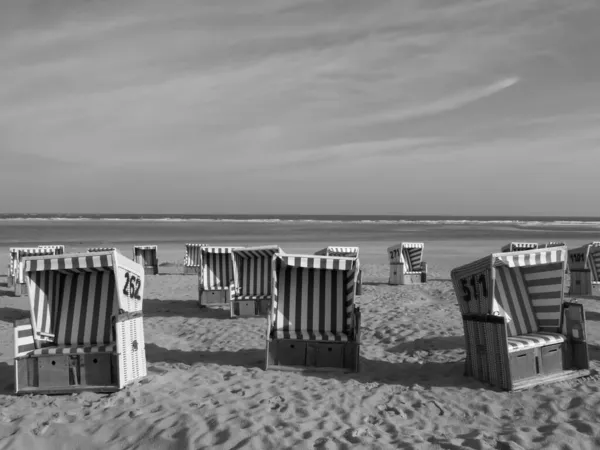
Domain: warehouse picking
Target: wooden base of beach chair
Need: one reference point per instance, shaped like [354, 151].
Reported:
[215, 297]
[580, 283]
[19, 288]
[398, 277]
[250, 308]
[61, 374]
[187, 270]
[151, 270]
[10, 281]
[300, 355]
[552, 378]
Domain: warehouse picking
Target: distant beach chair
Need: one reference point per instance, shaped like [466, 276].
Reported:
[101, 249]
[346, 252]
[519, 246]
[252, 280]
[519, 331]
[16, 267]
[215, 278]
[86, 330]
[58, 249]
[584, 266]
[313, 322]
[191, 261]
[146, 255]
[552, 244]
[406, 263]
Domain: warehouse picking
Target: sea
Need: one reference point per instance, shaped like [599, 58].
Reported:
[448, 240]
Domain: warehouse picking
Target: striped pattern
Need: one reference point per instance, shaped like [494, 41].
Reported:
[217, 268]
[408, 253]
[253, 272]
[533, 340]
[348, 252]
[58, 249]
[554, 244]
[24, 341]
[519, 246]
[70, 264]
[76, 309]
[145, 255]
[594, 262]
[25, 253]
[192, 255]
[531, 258]
[545, 290]
[467, 271]
[78, 350]
[513, 300]
[100, 249]
[311, 300]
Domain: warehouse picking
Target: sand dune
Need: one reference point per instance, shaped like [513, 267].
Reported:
[206, 386]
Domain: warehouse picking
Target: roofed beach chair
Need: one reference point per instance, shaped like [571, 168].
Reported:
[313, 322]
[518, 330]
[86, 330]
[191, 261]
[17, 255]
[215, 278]
[253, 280]
[519, 246]
[147, 257]
[101, 249]
[58, 249]
[584, 266]
[348, 252]
[406, 263]
[552, 244]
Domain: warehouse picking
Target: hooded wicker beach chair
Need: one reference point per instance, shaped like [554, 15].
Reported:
[85, 331]
[101, 249]
[313, 322]
[519, 332]
[253, 280]
[584, 266]
[345, 252]
[519, 246]
[215, 279]
[16, 276]
[58, 249]
[191, 261]
[406, 263]
[552, 244]
[146, 255]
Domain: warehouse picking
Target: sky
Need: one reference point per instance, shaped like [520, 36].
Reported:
[442, 107]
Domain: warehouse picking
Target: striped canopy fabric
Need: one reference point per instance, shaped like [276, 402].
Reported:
[71, 264]
[408, 253]
[519, 246]
[594, 263]
[252, 271]
[531, 257]
[313, 297]
[22, 253]
[553, 244]
[217, 268]
[192, 255]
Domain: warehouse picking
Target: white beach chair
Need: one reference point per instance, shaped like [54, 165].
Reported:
[519, 246]
[215, 278]
[146, 255]
[191, 261]
[584, 266]
[58, 249]
[252, 280]
[345, 252]
[101, 249]
[519, 332]
[313, 322]
[86, 330]
[16, 265]
[406, 263]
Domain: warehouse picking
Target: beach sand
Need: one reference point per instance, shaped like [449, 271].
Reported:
[206, 386]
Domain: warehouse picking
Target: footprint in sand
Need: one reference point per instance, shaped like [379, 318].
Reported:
[277, 402]
[354, 436]
[387, 410]
[239, 392]
[321, 444]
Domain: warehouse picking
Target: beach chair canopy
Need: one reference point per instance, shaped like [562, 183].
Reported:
[408, 253]
[349, 252]
[24, 252]
[313, 297]
[253, 270]
[586, 257]
[73, 299]
[101, 249]
[192, 255]
[58, 249]
[216, 267]
[519, 246]
[526, 288]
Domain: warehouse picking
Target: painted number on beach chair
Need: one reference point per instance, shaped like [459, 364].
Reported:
[132, 286]
[577, 257]
[394, 253]
[470, 287]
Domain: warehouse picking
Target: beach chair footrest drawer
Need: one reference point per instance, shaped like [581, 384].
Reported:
[292, 352]
[214, 297]
[244, 308]
[537, 361]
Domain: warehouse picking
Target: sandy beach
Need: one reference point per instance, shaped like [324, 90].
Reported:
[207, 388]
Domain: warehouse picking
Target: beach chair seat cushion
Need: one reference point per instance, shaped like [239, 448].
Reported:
[534, 340]
[306, 335]
[76, 350]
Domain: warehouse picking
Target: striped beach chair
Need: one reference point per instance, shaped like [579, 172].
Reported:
[215, 279]
[191, 261]
[252, 280]
[519, 246]
[552, 244]
[584, 266]
[406, 263]
[86, 330]
[313, 322]
[146, 255]
[519, 332]
[17, 255]
[101, 249]
[346, 252]
[58, 249]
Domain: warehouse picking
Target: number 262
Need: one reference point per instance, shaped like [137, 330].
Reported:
[132, 286]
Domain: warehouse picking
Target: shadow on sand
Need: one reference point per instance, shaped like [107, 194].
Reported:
[592, 315]
[7, 374]
[184, 308]
[9, 315]
[426, 375]
[430, 344]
